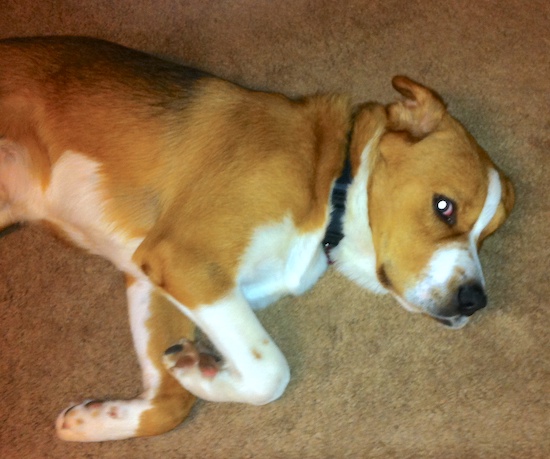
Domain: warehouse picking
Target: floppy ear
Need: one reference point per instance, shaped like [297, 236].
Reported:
[419, 113]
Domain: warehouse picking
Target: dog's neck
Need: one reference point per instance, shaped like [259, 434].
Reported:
[354, 255]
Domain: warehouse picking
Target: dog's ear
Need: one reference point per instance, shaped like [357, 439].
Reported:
[419, 113]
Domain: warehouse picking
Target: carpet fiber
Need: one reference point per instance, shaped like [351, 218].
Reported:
[369, 379]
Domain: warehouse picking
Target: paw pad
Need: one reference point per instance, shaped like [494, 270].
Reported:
[186, 355]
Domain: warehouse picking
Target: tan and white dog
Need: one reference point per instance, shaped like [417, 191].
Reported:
[214, 199]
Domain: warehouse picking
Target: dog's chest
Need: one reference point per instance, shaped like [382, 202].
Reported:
[280, 260]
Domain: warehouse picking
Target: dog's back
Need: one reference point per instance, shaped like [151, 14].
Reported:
[161, 134]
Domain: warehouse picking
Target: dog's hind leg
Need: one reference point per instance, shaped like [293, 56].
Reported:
[11, 181]
[156, 324]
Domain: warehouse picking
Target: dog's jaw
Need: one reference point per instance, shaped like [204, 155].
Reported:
[452, 322]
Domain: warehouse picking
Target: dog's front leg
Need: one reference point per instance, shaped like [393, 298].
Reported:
[164, 403]
[254, 370]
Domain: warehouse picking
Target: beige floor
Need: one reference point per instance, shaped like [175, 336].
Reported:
[369, 379]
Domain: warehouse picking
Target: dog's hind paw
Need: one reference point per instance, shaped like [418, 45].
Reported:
[185, 355]
[99, 421]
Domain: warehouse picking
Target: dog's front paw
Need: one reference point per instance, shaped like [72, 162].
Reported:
[185, 356]
[98, 421]
[257, 378]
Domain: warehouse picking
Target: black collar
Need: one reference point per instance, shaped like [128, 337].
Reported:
[334, 232]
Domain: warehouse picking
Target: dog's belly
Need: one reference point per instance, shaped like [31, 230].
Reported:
[280, 260]
[74, 203]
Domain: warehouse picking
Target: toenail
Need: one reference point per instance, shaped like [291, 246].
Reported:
[68, 410]
[93, 404]
[173, 349]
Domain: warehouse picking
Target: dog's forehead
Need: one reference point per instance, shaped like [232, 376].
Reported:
[452, 160]
[449, 149]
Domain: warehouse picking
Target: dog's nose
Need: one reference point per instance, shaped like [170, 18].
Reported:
[471, 298]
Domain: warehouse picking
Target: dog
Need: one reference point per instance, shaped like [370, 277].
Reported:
[214, 199]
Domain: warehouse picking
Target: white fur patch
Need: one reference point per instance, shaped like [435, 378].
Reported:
[280, 261]
[74, 201]
[492, 201]
[355, 255]
[139, 300]
[102, 421]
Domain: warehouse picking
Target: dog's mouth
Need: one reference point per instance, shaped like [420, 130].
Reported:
[454, 322]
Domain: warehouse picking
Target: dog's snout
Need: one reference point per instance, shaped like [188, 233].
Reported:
[471, 298]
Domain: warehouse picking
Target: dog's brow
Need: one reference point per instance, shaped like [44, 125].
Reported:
[492, 200]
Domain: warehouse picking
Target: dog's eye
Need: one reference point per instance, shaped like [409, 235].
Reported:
[445, 208]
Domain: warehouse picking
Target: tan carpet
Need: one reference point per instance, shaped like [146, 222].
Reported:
[369, 379]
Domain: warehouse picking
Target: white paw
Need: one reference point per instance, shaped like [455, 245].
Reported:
[100, 421]
[260, 380]
[198, 371]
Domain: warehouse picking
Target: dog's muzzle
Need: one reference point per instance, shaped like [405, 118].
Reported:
[455, 311]
[468, 299]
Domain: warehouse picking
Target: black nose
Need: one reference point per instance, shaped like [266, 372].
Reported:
[471, 298]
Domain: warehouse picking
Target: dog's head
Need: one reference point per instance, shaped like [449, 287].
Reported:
[432, 195]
